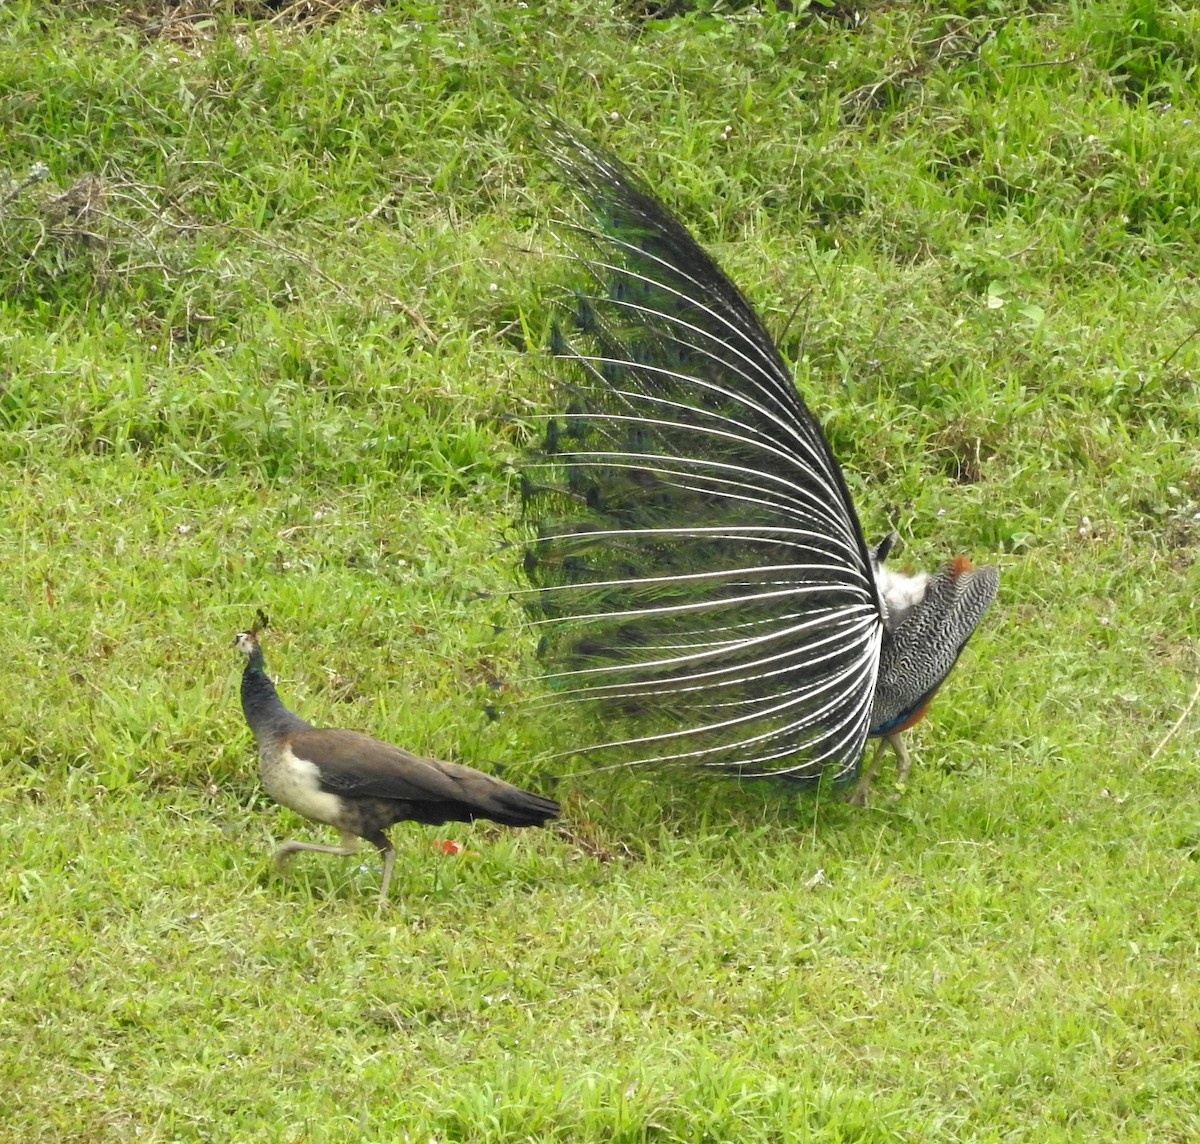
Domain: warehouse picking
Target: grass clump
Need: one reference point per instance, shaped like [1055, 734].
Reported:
[267, 286]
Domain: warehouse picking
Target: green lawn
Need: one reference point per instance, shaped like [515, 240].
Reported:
[270, 283]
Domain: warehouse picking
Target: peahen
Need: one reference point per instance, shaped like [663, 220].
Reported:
[362, 785]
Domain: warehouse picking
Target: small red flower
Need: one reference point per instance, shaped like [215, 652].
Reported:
[448, 846]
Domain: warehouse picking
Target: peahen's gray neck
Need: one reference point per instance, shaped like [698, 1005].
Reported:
[264, 710]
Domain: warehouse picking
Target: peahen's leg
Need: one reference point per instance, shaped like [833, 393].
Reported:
[379, 840]
[349, 846]
[389, 860]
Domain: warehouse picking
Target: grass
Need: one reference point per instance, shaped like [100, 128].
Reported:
[264, 320]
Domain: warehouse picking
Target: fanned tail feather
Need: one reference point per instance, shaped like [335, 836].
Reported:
[700, 572]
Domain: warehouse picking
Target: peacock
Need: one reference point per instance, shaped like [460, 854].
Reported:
[699, 574]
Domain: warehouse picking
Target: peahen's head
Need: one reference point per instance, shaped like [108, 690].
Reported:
[247, 642]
